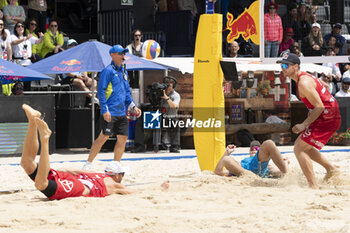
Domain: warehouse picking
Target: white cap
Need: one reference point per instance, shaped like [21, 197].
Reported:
[316, 25]
[115, 167]
[71, 41]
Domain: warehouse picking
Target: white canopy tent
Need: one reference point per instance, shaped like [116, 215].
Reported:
[185, 65]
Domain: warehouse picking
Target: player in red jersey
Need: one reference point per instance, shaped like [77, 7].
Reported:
[57, 185]
[322, 122]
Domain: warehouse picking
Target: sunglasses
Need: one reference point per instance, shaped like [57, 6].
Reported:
[33, 24]
[54, 26]
[137, 35]
[121, 53]
[254, 148]
[272, 8]
[347, 83]
[19, 26]
[284, 66]
[1, 24]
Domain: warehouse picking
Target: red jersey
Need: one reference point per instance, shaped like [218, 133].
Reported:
[95, 182]
[69, 185]
[319, 131]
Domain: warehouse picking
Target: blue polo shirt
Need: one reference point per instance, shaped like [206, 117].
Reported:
[113, 90]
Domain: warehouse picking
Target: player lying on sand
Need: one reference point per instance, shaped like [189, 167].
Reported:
[257, 162]
[57, 185]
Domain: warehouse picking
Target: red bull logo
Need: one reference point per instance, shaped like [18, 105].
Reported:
[71, 62]
[246, 24]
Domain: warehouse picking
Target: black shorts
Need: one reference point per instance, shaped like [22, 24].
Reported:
[118, 125]
[67, 80]
[51, 187]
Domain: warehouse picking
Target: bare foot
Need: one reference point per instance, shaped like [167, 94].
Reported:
[165, 185]
[30, 112]
[44, 130]
[332, 173]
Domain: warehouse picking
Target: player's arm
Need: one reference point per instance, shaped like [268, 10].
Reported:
[307, 89]
[121, 189]
[220, 166]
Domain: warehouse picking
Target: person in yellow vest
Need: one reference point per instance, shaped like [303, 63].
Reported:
[53, 40]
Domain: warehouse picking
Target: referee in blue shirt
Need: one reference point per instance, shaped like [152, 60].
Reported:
[115, 98]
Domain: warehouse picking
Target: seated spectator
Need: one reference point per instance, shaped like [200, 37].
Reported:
[304, 19]
[340, 40]
[53, 40]
[344, 91]
[187, 5]
[31, 29]
[22, 45]
[327, 81]
[333, 44]
[13, 14]
[135, 46]
[294, 48]
[273, 30]
[5, 42]
[313, 44]
[80, 80]
[336, 74]
[233, 49]
[287, 40]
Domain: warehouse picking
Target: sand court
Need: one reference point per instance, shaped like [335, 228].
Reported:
[195, 202]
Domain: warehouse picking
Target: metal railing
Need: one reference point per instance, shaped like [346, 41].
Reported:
[115, 26]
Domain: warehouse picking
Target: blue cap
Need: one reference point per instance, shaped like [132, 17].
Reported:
[117, 49]
[346, 80]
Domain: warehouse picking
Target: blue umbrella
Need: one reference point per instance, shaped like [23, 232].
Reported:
[91, 56]
[11, 72]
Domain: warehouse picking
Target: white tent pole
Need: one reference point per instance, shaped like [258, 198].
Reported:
[141, 82]
[93, 76]
[261, 23]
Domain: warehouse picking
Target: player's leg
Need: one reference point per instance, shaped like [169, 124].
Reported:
[300, 148]
[31, 143]
[119, 147]
[41, 181]
[97, 145]
[269, 150]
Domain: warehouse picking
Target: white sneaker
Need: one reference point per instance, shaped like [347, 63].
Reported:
[87, 166]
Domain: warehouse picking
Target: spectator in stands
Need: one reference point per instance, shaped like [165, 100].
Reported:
[313, 44]
[5, 42]
[340, 40]
[287, 40]
[273, 30]
[327, 80]
[304, 19]
[336, 74]
[22, 44]
[1, 14]
[290, 20]
[53, 40]
[81, 80]
[187, 5]
[31, 29]
[13, 14]
[313, 18]
[332, 43]
[233, 49]
[294, 48]
[344, 91]
[37, 10]
[135, 46]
